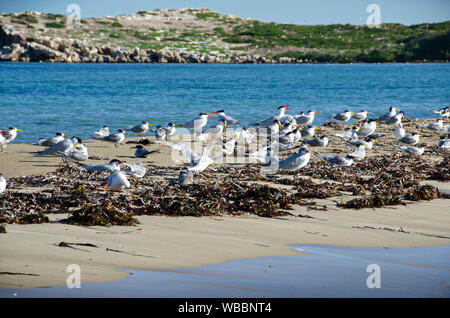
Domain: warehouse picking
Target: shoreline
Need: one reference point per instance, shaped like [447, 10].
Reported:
[30, 255]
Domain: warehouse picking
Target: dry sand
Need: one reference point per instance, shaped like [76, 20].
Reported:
[30, 257]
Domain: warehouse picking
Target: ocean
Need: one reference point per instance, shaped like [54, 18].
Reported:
[78, 99]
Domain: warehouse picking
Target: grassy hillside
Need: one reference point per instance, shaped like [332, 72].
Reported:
[202, 31]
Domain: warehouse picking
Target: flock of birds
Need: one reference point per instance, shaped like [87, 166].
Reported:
[280, 132]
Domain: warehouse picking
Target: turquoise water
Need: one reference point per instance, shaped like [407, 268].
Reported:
[77, 99]
[325, 271]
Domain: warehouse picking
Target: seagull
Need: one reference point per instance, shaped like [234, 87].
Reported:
[141, 129]
[399, 131]
[360, 142]
[346, 161]
[117, 181]
[170, 130]
[368, 128]
[358, 153]
[2, 183]
[204, 161]
[62, 148]
[102, 132]
[287, 138]
[196, 123]
[278, 116]
[395, 120]
[53, 140]
[410, 140]
[113, 165]
[136, 170]
[214, 131]
[115, 138]
[411, 149]
[444, 142]
[360, 116]
[186, 177]
[309, 131]
[317, 142]
[230, 121]
[444, 112]
[275, 127]
[11, 134]
[437, 125]
[296, 161]
[306, 119]
[392, 112]
[142, 152]
[297, 134]
[342, 117]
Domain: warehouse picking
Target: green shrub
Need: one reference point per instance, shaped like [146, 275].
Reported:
[55, 25]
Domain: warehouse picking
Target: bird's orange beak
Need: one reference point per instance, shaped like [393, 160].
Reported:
[209, 115]
[288, 106]
[213, 112]
[317, 111]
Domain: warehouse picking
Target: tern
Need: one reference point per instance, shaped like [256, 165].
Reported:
[318, 141]
[102, 132]
[62, 148]
[368, 128]
[2, 183]
[392, 112]
[3, 142]
[342, 117]
[346, 161]
[349, 134]
[358, 153]
[360, 116]
[136, 170]
[437, 125]
[296, 161]
[78, 153]
[412, 150]
[160, 133]
[117, 138]
[444, 142]
[264, 155]
[196, 123]
[186, 177]
[306, 119]
[214, 131]
[399, 132]
[113, 165]
[309, 131]
[117, 181]
[247, 134]
[53, 140]
[410, 140]
[395, 120]
[230, 121]
[142, 152]
[141, 129]
[277, 117]
[11, 134]
[170, 130]
[444, 112]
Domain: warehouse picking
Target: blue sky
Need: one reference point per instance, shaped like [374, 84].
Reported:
[290, 11]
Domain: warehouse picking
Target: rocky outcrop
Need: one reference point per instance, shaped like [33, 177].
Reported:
[16, 47]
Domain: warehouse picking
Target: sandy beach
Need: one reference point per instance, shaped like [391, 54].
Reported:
[30, 255]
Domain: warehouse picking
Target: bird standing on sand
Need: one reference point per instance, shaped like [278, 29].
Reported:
[392, 113]
[296, 161]
[78, 153]
[113, 165]
[437, 125]
[412, 150]
[3, 142]
[117, 138]
[141, 129]
[342, 117]
[102, 132]
[230, 121]
[396, 119]
[196, 123]
[399, 132]
[170, 130]
[11, 134]
[160, 133]
[410, 140]
[306, 119]
[2, 183]
[186, 177]
[62, 148]
[444, 142]
[214, 131]
[309, 131]
[360, 116]
[368, 128]
[117, 181]
[318, 141]
[278, 116]
[358, 153]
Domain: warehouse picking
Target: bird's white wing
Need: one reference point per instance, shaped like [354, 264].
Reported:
[188, 153]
